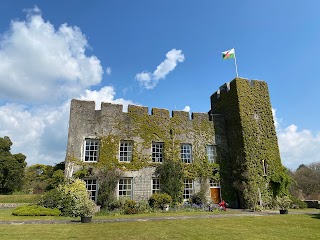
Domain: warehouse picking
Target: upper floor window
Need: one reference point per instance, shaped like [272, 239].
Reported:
[91, 150]
[186, 153]
[211, 153]
[125, 152]
[265, 167]
[92, 188]
[157, 152]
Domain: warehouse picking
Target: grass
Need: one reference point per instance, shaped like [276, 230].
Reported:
[275, 226]
[18, 198]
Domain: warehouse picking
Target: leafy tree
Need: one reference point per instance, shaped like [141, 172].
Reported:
[37, 177]
[11, 167]
[307, 182]
[108, 180]
[40, 177]
[171, 175]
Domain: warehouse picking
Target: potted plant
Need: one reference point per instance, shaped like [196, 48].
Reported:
[87, 209]
[283, 204]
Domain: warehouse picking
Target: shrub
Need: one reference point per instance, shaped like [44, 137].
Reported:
[198, 198]
[71, 198]
[35, 210]
[297, 203]
[283, 202]
[130, 207]
[171, 174]
[160, 200]
[51, 199]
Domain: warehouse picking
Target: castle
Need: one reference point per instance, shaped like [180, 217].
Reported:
[231, 152]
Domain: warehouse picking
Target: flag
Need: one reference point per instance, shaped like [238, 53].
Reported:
[228, 54]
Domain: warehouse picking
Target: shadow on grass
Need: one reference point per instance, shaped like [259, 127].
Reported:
[316, 216]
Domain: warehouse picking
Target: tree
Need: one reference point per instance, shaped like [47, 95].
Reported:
[171, 175]
[40, 177]
[11, 167]
[307, 181]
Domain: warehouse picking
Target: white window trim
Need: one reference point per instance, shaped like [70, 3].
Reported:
[184, 188]
[90, 191]
[153, 190]
[126, 141]
[84, 145]
[213, 153]
[121, 196]
[162, 147]
[182, 153]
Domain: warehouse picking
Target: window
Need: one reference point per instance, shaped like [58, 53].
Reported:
[214, 183]
[157, 152]
[188, 189]
[186, 151]
[126, 151]
[125, 188]
[211, 153]
[156, 185]
[91, 150]
[92, 187]
[265, 167]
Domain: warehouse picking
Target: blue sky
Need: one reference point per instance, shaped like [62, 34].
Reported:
[164, 54]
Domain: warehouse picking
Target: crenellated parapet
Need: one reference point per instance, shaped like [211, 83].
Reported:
[86, 110]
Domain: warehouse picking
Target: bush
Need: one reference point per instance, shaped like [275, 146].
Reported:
[130, 207]
[297, 203]
[198, 198]
[160, 200]
[35, 210]
[71, 198]
[51, 199]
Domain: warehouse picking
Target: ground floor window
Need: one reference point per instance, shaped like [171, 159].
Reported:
[156, 185]
[92, 187]
[188, 189]
[125, 188]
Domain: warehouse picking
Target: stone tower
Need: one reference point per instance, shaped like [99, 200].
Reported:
[250, 165]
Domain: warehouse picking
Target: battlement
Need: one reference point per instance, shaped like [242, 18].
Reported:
[230, 85]
[87, 108]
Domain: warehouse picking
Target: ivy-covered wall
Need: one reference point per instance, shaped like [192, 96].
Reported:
[240, 124]
[250, 167]
[111, 125]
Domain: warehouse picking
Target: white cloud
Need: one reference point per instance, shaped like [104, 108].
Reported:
[105, 94]
[39, 133]
[150, 80]
[297, 146]
[186, 109]
[40, 63]
[108, 70]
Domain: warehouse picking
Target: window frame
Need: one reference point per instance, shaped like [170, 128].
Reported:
[89, 153]
[155, 187]
[125, 190]
[126, 154]
[94, 182]
[264, 167]
[187, 191]
[185, 150]
[156, 150]
[211, 153]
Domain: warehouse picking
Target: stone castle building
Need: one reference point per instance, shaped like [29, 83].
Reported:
[230, 152]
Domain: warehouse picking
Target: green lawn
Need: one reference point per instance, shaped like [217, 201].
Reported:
[18, 198]
[291, 226]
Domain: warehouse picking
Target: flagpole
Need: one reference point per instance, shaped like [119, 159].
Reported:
[235, 63]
